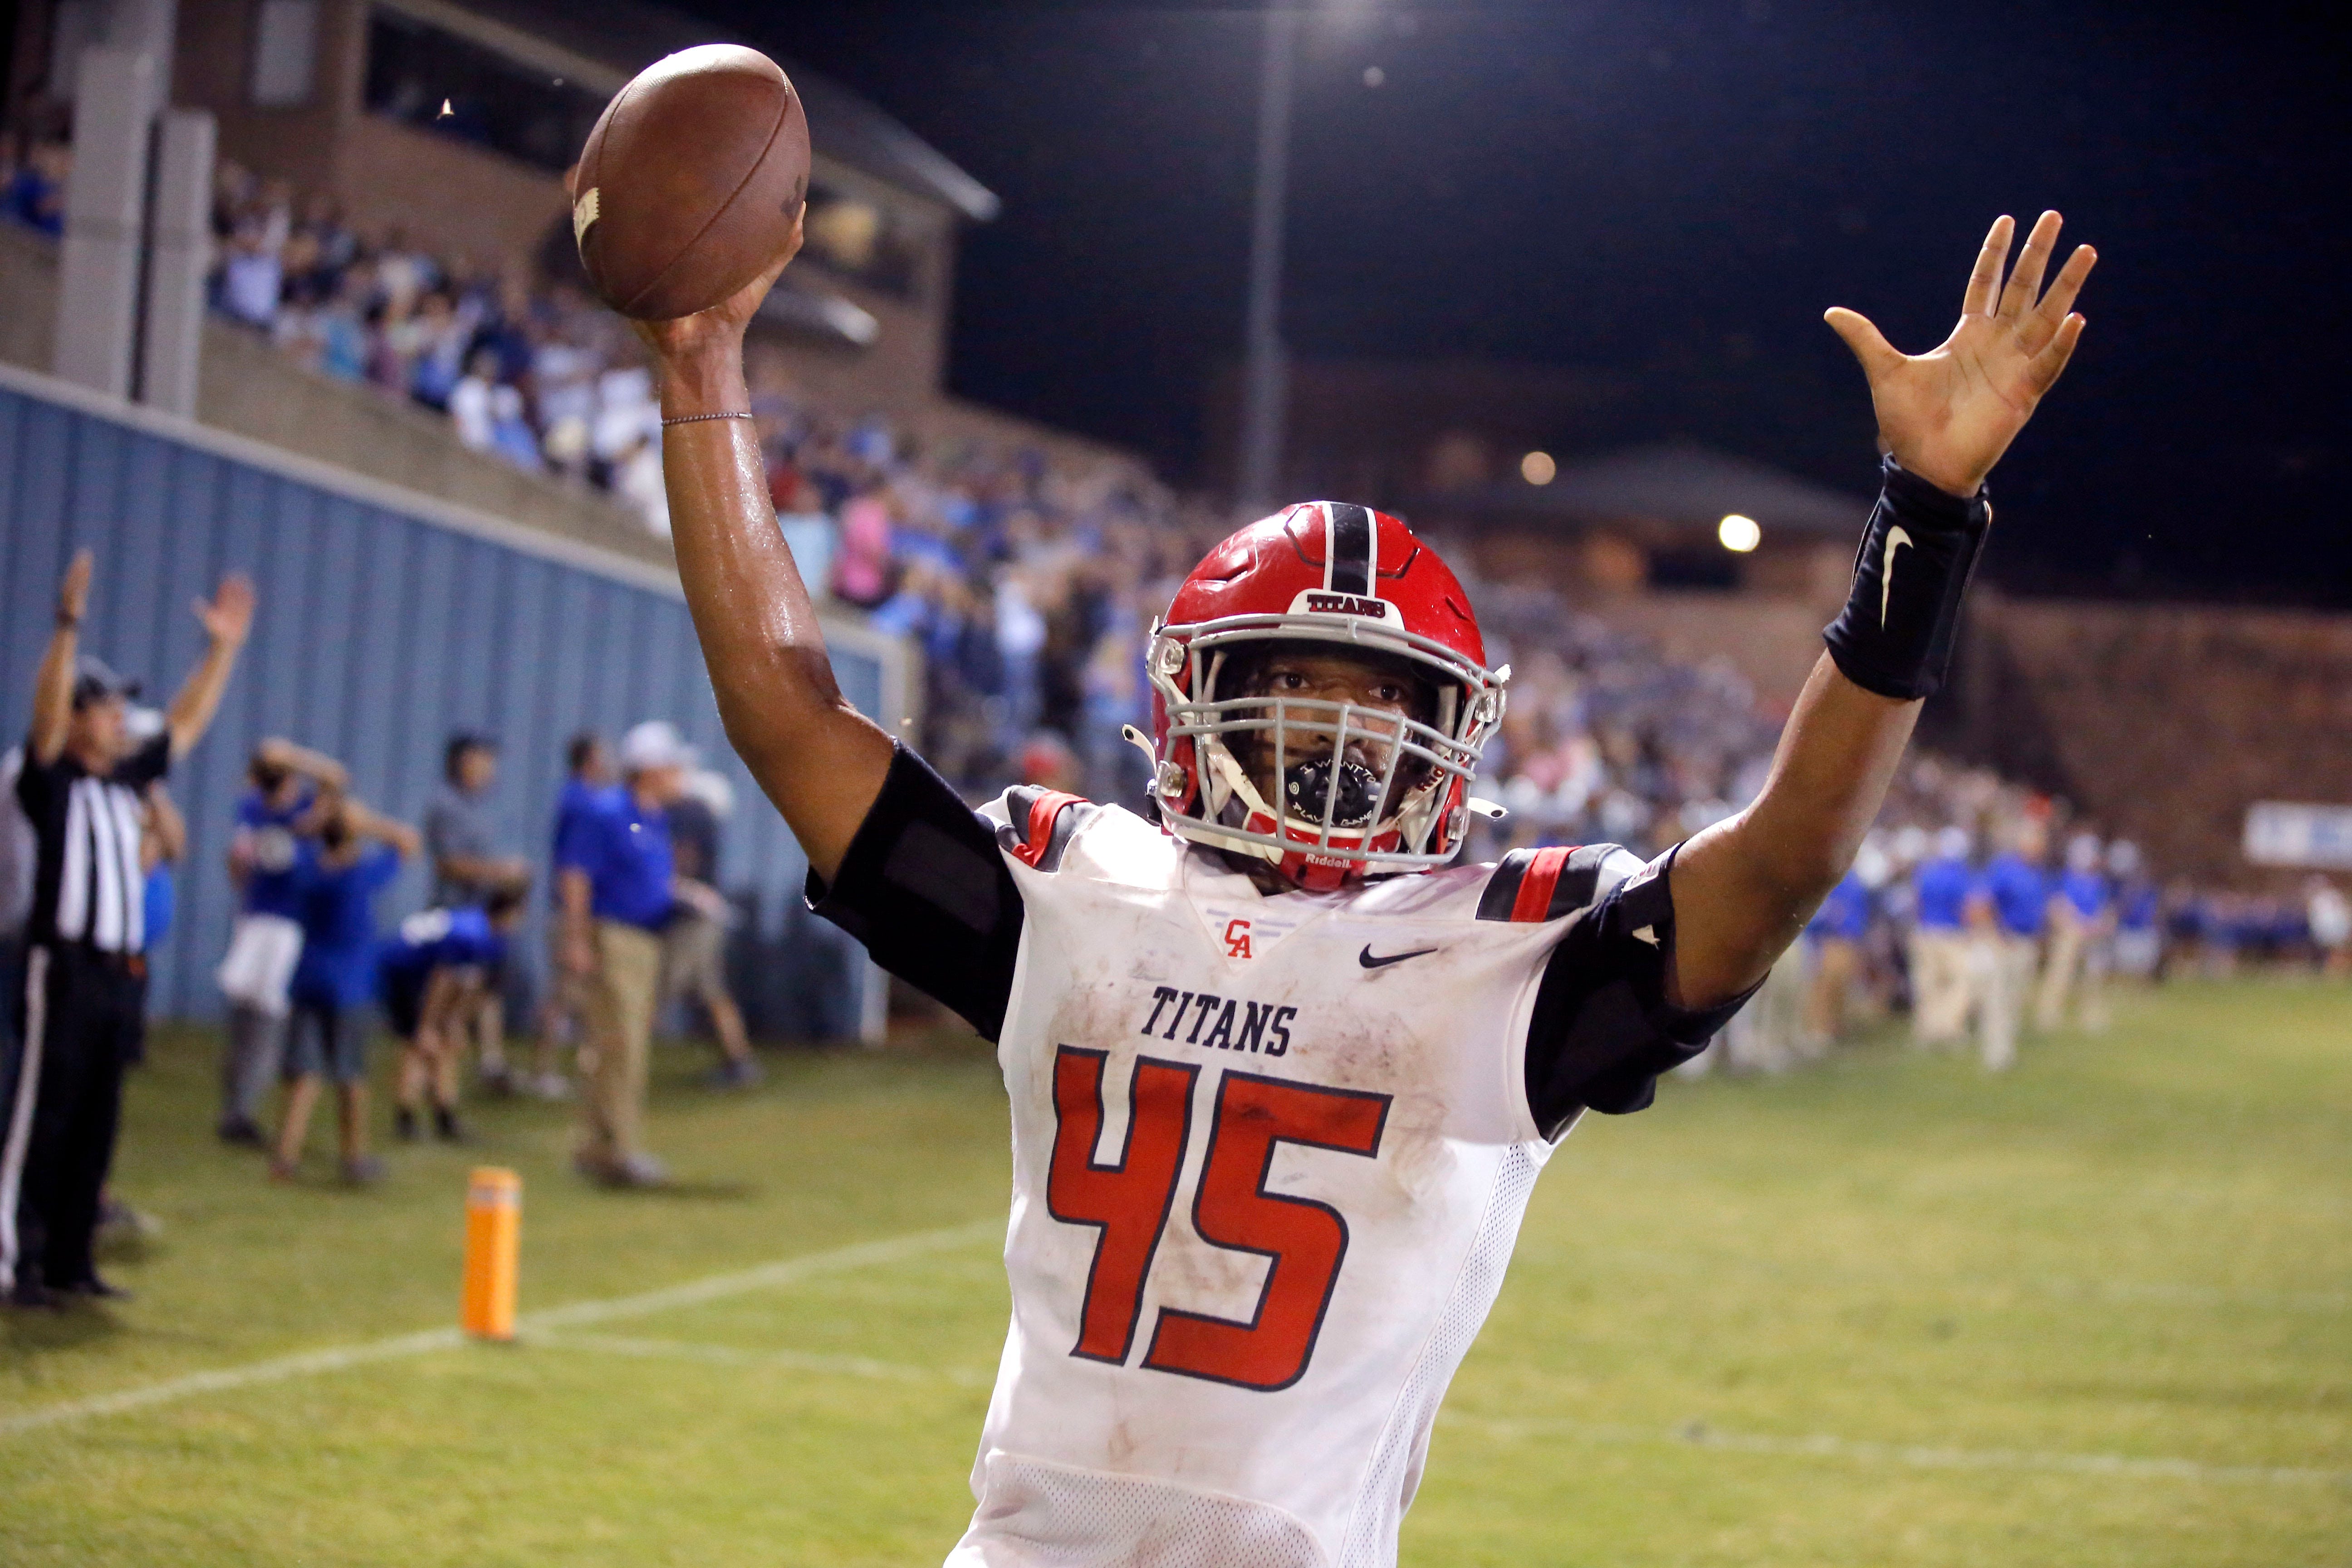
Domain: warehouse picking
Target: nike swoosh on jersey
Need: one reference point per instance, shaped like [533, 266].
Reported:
[1896, 539]
[1369, 961]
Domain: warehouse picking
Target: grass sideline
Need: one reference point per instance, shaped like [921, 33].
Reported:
[1885, 1310]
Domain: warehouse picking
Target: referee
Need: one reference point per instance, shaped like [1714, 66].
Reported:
[83, 1006]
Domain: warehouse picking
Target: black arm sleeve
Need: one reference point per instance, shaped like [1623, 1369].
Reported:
[1603, 1030]
[924, 887]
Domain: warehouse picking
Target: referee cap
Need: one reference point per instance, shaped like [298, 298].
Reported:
[95, 680]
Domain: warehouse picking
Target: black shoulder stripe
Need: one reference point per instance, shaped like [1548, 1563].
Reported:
[1580, 880]
[1503, 887]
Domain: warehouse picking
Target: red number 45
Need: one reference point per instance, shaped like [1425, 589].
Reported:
[1128, 1203]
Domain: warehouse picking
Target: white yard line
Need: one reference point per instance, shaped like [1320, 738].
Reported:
[1823, 1446]
[335, 1358]
[1695, 1435]
[735, 1355]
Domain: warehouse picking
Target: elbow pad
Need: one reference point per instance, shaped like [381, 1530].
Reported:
[1895, 635]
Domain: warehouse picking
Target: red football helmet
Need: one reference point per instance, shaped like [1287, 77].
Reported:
[1363, 792]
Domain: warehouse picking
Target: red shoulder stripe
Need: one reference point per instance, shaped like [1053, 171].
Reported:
[1043, 811]
[1534, 902]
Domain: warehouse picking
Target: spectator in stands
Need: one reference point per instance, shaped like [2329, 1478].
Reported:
[251, 280]
[355, 856]
[615, 871]
[265, 939]
[2082, 920]
[468, 871]
[472, 402]
[861, 569]
[35, 190]
[694, 943]
[808, 530]
[1941, 989]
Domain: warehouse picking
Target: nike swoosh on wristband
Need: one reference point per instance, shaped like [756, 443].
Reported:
[1896, 539]
[1369, 961]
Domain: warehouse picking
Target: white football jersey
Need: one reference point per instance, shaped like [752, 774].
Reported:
[1270, 1156]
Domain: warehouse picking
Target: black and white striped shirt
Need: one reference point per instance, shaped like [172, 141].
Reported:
[87, 886]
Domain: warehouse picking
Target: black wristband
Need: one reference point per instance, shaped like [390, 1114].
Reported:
[1894, 634]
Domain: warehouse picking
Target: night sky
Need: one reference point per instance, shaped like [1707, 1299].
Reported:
[1670, 195]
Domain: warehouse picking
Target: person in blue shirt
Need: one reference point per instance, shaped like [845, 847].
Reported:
[1941, 993]
[2008, 908]
[615, 877]
[356, 855]
[2139, 908]
[266, 939]
[564, 1016]
[2081, 918]
[435, 970]
[1835, 934]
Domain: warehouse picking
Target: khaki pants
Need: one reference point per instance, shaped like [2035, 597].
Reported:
[2059, 968]
[621, 1000]
[1837, 966]
[1940, 991]
[2004, 972]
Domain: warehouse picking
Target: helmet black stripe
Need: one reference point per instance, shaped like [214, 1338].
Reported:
[1350, 571]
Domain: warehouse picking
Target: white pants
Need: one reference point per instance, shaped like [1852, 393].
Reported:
[262, 952]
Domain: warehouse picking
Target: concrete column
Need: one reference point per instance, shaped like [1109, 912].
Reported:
[98, 270]
[148, 27]
[173, 332]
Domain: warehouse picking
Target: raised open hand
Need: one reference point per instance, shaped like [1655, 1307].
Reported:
[73, 593]
[230, 615]
[1950, 414]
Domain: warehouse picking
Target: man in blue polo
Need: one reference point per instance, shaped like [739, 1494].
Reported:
[1940, 989]
[2014, 907]
[614, 875]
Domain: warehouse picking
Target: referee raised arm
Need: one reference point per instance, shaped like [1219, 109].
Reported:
[83, 1004]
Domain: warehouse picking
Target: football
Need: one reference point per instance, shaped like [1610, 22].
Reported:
[690, 182]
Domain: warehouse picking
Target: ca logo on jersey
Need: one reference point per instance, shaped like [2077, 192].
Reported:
[1237, 939]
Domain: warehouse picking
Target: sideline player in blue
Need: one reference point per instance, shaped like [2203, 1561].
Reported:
[2015, 895]
[1836, 932]
[1940, 989]
[2082, 920]
[440, 965]
[356, 855]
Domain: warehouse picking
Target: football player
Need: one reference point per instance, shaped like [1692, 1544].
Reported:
[1283, 1074]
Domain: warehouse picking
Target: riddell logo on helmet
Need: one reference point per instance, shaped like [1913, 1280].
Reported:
[1318, 603]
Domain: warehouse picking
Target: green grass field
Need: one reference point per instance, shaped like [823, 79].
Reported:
[1884, 1311]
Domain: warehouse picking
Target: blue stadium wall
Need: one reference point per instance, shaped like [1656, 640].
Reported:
[387, 620]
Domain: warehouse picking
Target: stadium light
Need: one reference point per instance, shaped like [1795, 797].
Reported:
[1739, 535]
[1538, 469]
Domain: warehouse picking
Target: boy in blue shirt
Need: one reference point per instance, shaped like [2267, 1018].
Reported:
[355, 856]
[431, 976]
[266, 941]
